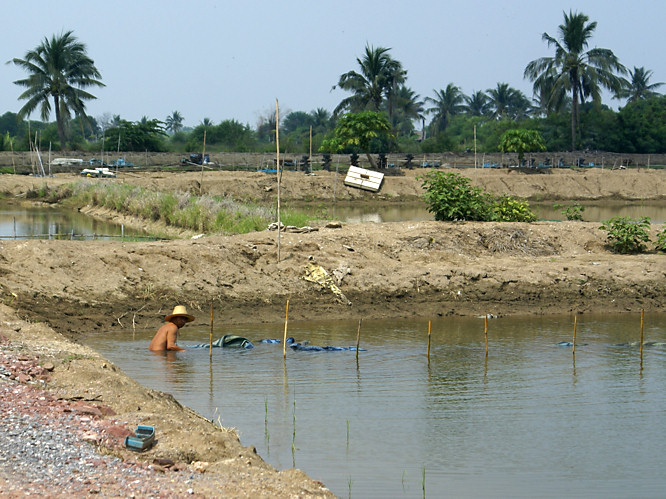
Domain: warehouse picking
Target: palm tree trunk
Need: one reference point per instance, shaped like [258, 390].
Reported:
[574, 117]
[59, 122]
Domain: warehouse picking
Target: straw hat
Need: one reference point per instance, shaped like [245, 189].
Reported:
[179, 311]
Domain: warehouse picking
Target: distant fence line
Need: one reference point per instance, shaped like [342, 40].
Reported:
[26, 163]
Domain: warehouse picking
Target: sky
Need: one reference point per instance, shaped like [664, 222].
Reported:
[232, 59]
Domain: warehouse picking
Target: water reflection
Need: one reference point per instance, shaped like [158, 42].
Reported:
[167, 363]
[593, 212]
[19, 221]
[529, 419]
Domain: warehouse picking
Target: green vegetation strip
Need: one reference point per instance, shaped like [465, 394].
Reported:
[205, 214]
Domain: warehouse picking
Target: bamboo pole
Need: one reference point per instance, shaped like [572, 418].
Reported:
[573, 350]
[277, 167]
[284, 339]
[485, 332]
[428, 350]
[642, 312]
[210, 335]
[358, 337]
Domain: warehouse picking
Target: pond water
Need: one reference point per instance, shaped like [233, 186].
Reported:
[35, 221]
[529, 420]
[593, 212]
[45, 222]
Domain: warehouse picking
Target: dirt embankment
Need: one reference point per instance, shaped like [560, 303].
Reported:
[392, 269]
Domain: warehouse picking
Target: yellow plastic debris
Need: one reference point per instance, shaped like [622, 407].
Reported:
[316, 273]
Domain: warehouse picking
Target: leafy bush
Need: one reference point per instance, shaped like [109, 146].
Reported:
[661, 241]
[626, 235]
[452, 197]
[509, 209]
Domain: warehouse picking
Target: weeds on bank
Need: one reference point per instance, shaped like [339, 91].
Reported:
[626, 235]
[572, 212]
[206, 214]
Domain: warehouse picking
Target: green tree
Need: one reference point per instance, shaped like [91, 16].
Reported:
[378, 77]
[408, 108]
[505, 101]
[574, 69]
[521, 141]
[359, 130]
[477, 104]
[174, 122]
[129, 136]
[59, 69]
[447, 103]
[642, 126]
[639, 86]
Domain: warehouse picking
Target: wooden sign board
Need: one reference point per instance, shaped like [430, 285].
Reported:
[364, 179]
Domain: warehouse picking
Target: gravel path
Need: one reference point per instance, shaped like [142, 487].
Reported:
[50, 447]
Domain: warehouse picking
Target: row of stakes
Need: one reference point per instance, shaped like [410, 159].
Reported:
[358, 334]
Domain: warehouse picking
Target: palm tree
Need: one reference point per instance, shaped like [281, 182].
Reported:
[58, 68]
[408, 108]
[379, 77]
[321, 120]
[574, 69]
[640, 87]
[447, 103]
[477, 104]
[174, 122]
[505, 101]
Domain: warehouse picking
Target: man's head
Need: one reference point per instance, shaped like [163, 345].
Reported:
[179, 316]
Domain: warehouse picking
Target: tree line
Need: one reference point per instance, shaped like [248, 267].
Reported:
[380, 114]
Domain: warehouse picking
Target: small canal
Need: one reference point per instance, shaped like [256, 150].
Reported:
[19, 221]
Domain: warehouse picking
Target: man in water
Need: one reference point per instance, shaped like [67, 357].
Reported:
[167, 335]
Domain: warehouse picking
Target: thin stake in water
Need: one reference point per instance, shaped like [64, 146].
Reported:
[485, 332]
[210, 335]
[642, 312]
[284, 340]
[428, 350]
[573, 349]
[358, 337]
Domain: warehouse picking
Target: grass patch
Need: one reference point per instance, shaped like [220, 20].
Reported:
[205, 214]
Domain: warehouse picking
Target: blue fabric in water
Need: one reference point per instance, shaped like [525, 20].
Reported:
[304, 347]
[289, 341]
[227, 341]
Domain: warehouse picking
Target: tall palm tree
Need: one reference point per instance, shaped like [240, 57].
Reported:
[58, 69]
[174, 122]
[408, 108]
[639, 87]
[377, 80]
[574, 69]
[447, 103]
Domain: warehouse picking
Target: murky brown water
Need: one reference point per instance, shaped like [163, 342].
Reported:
[21, 222]
[528, 420]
